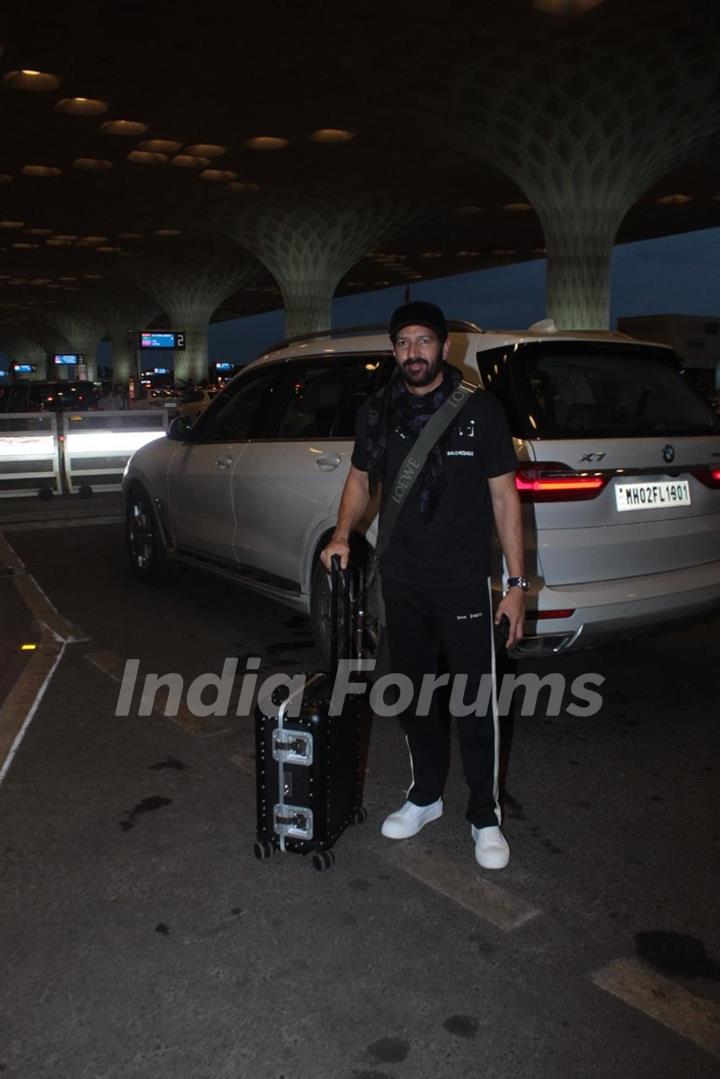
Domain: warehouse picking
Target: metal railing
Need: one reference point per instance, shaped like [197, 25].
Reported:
[96, 446]
[29, 454]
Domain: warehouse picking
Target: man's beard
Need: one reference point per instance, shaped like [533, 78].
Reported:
[427, 370]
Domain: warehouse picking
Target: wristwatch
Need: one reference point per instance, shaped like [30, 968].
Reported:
[518, 582]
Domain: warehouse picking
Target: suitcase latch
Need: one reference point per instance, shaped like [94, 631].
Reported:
[293, 822]
[292, 747]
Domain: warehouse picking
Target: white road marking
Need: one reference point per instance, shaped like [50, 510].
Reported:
[22, 701]
[113, 665]
[248, 767]
[683, 1012]
[462, 884]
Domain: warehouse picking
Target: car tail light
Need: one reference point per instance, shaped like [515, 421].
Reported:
[709, 476]
[565, 612]
[552, 482]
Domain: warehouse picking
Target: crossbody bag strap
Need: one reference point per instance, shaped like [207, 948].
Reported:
[412, 466]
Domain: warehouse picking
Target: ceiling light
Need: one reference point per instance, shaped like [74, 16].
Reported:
[166, 232]
[40, 170]
[94, 276]
[38, 232]
[186, 161]
[130, 254]
[31, 80]
[468, 254]
[217, 174]
[205, 149]
[471, 209]
[265, 142]
[57, 241]
[674, 200]
[107, 250]
[238, 185]
[565, 7]
[501, 252]
[67, 278]
[82, 106]
[123, 127]
[12, 224]
[65, 237]
[5, 179]
[24, 246]
[142, 157]
[91, 164]
[129, 235]
[517, 207]
[160, 146]
[431, 254]
[539, 251]
[40, 281]
[332, 135]
[90, 241]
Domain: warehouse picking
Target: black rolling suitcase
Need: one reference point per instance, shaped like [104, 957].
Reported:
[310, 767]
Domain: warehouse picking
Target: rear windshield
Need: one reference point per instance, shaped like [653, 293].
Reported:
[571, 389]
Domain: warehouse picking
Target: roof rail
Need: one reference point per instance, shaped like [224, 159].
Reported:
[454, 325]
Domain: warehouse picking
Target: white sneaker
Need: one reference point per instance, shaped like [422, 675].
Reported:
[410, 819]
[491, 847]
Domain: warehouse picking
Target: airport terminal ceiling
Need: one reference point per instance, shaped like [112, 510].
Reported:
[130, 130]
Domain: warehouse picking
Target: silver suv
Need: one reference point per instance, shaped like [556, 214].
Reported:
[618, 469]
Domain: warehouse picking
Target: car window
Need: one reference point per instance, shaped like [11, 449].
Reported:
[371, 372]
[312, 391]
[592, 389]
[237, 413]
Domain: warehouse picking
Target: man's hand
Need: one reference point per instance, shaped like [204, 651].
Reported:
[513, 605]
[335, 546]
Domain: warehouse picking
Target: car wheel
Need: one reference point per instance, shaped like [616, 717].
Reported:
[147, 553]
[321, 600]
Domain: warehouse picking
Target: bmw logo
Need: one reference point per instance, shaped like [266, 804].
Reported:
[668, 454]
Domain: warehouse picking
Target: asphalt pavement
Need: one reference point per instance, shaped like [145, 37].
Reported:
[141, 937]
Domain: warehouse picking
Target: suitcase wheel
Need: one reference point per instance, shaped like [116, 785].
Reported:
[262, 849]
[322, 860]
[360, 815]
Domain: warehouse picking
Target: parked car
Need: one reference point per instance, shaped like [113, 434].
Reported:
[195, 400]
[618, 471]
[48, 396]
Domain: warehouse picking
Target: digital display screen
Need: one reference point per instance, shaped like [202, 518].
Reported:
[224, 366]
[161, 370]
[23, 368]
[67, 359]
[151, 339]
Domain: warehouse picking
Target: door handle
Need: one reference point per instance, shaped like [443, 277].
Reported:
[223, 463]
[327, 462]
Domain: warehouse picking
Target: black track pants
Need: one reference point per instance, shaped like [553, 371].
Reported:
[423, 619]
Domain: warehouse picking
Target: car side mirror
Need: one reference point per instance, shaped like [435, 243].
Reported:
[179, 429]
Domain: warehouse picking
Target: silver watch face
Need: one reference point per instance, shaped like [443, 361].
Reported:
[519, 582]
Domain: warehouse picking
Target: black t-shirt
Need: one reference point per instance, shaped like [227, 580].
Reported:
[455, 543]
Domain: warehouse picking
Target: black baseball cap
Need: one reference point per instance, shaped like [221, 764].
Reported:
[418, 313]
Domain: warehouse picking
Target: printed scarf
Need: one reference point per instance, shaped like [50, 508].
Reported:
[395, 410]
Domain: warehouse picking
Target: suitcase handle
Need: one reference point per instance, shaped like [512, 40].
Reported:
[342, 584]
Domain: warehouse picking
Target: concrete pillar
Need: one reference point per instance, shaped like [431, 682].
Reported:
[309, 244]
[82, 329]
[122, 308]
[22, 348]
[584, 129]
[189, 290]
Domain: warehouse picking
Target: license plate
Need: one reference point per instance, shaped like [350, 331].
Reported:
[652, 496]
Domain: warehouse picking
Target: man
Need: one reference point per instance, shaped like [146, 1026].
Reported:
[435, 569]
